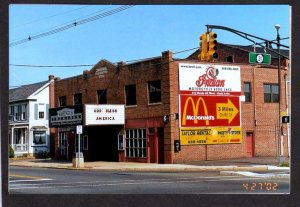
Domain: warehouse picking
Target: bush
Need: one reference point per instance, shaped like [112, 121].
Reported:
[43, 154]
[11, 152]
[285, 164]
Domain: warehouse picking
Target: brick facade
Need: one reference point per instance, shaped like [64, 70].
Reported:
[258, 117]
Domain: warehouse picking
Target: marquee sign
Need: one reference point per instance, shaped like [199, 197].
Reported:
[216, 135]
[66, 116]
[206, 111]
[104, 114]
[204, 79]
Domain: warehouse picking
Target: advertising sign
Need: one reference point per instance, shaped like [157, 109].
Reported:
[104, 114]
[66, 116]
[215, 135]
[205, 111]
[204, 79]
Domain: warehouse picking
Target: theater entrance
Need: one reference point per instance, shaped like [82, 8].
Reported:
[102, 143]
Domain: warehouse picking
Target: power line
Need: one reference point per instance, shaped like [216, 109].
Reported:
[91, 65]
[74, 24]
[54, 15]
[51, 66]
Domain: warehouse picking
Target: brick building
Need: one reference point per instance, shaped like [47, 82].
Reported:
[149, 89]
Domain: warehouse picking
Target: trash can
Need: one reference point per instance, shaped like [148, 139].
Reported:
[78, 160]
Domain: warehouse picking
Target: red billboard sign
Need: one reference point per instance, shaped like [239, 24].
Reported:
[204, 111]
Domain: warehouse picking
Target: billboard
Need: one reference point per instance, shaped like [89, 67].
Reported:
[207, 111]
[104, 114]
[210, 135]
[204, 79]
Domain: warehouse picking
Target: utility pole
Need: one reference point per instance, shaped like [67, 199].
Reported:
[280, 137]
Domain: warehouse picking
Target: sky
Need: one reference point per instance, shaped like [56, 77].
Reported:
[138, 32]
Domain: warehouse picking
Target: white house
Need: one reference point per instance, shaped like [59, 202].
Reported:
[28, 118]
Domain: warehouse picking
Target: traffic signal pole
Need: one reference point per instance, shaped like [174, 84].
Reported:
[277, 42]
[246, 36]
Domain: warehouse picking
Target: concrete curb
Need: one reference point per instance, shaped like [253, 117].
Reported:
[153, 168]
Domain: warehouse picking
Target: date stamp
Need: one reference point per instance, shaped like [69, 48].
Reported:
[260, 186]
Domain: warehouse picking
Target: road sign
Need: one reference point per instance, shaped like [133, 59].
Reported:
[259, 58]
[79, 129]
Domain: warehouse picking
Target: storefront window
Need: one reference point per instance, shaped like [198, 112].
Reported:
[136, 143]
[39, 138]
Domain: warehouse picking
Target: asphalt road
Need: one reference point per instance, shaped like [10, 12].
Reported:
[55, 181]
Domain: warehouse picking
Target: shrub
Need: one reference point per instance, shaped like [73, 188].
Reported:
[11, 152]
[43, 154]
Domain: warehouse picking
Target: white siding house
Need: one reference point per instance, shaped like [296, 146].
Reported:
[28, 119]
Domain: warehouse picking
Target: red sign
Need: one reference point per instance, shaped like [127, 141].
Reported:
[201, 111]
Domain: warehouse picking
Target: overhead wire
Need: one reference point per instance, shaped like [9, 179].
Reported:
[48, 17]
[73, 24]
[91, 65]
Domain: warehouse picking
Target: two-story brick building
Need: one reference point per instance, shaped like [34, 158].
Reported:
[150, 90]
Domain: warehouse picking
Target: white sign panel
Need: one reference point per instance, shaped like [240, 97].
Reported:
[104, 114]
[79, 129]
[197, 78]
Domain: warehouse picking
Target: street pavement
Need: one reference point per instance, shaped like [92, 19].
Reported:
[241, 166]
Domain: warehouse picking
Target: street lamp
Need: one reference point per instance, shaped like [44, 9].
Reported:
[281, 156]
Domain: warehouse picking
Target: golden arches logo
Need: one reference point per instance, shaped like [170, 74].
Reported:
[195, 109]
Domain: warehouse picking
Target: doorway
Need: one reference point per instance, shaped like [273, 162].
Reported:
[249, 144]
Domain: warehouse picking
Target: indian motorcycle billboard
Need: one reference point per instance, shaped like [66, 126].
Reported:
[214, 80]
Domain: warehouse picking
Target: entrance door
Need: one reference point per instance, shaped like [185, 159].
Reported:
[63, 145]
[156, 144]
[249, 144]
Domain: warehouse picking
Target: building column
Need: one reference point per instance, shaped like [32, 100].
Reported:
[168, 94]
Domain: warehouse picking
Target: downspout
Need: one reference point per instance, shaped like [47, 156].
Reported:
[287, 113]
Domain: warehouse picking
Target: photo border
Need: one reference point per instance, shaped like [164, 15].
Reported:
[90, 200]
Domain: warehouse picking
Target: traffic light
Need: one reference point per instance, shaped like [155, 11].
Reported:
[212, 52]
[203, 47]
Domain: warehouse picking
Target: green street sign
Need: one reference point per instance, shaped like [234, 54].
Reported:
[259, 58]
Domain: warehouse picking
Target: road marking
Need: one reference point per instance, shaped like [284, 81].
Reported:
[16, 181]
[117, 183]
[26, 176]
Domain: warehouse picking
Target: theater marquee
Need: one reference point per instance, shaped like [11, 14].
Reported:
[104, 114]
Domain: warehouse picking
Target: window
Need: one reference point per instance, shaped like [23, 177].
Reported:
[130, 91]
[154, 89]
[136, 143]
[17, 111]
[101, 94]
[41, 115]
[229, 59]
[39, 138]
[77, 99]
[247, 91]
[271, 93]
[24, 112]
[62, 101]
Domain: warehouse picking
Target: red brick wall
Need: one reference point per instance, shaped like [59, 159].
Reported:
[263, 123]
[265, 128]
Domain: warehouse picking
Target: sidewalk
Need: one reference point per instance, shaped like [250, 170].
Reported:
[243, 164]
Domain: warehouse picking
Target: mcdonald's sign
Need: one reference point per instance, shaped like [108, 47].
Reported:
[206, 111]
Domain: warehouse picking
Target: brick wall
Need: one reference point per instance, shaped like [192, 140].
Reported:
[257, 116]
